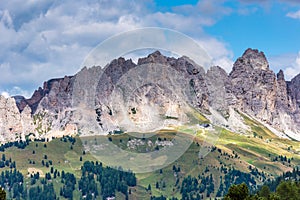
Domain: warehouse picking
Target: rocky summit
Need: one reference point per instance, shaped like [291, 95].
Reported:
[126, 95]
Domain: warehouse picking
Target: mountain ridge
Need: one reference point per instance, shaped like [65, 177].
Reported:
[251, 87]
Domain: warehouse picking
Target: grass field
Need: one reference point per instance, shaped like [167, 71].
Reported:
[233, 151]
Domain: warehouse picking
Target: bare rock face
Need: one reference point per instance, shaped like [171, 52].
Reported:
[157, 86]
[53, 110]
[56, 96]
[196, 76]
[284, 100]
[48, 108]
[27, 122]
[219, 85]
[147, 90]
[261, 94]
[294, 89]
[254, 85]
[255, 59]
[155, 57]
[12, 121]
[57, 92]
[32, 102]
[111, 75]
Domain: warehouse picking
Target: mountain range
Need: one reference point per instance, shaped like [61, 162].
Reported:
[120, 96]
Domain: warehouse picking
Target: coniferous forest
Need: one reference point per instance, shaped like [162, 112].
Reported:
[95, 181]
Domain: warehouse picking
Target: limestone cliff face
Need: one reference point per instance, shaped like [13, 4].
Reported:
[219, 90]
[54, 95]
[253, 85]
[155, 84]
[13, 124]
[294, 89]
[49, 107]
[27, 122]
[283, 99]
[262, 94]
[149, 91]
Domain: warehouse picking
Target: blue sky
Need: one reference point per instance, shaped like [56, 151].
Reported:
[45, 39]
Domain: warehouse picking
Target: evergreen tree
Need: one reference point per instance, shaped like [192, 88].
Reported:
[237, 192]
[265, 192]
[2, 194]
[288, 190]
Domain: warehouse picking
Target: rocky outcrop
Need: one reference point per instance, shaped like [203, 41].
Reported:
[282, 97]
[147, 91]
[56, 92]
[13, 124]
[47, 109]
[154, 89]
[219, 87]
[254, 85]
[294, 89]
[262, 94]
[27, 122]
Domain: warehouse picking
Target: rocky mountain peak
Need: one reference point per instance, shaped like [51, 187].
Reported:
[296, 79]
[252, 59]
[254, 85]
[251, 87]
[117, 68]
[51, 88]
[294, 89]
[155, 57]
[183, 64]
[119, 61]
[11, 120]
[280, 76]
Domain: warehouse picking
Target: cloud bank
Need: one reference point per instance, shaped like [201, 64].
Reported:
[47, 39]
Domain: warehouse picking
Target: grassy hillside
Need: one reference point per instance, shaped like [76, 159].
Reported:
[259, 153]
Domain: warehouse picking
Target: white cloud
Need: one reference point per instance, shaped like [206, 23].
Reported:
[5, 94]
[294, 68]
[294, 15]
[225, 62]
[218, 51]
[289, 63]
[51, 38]
[15, 90]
